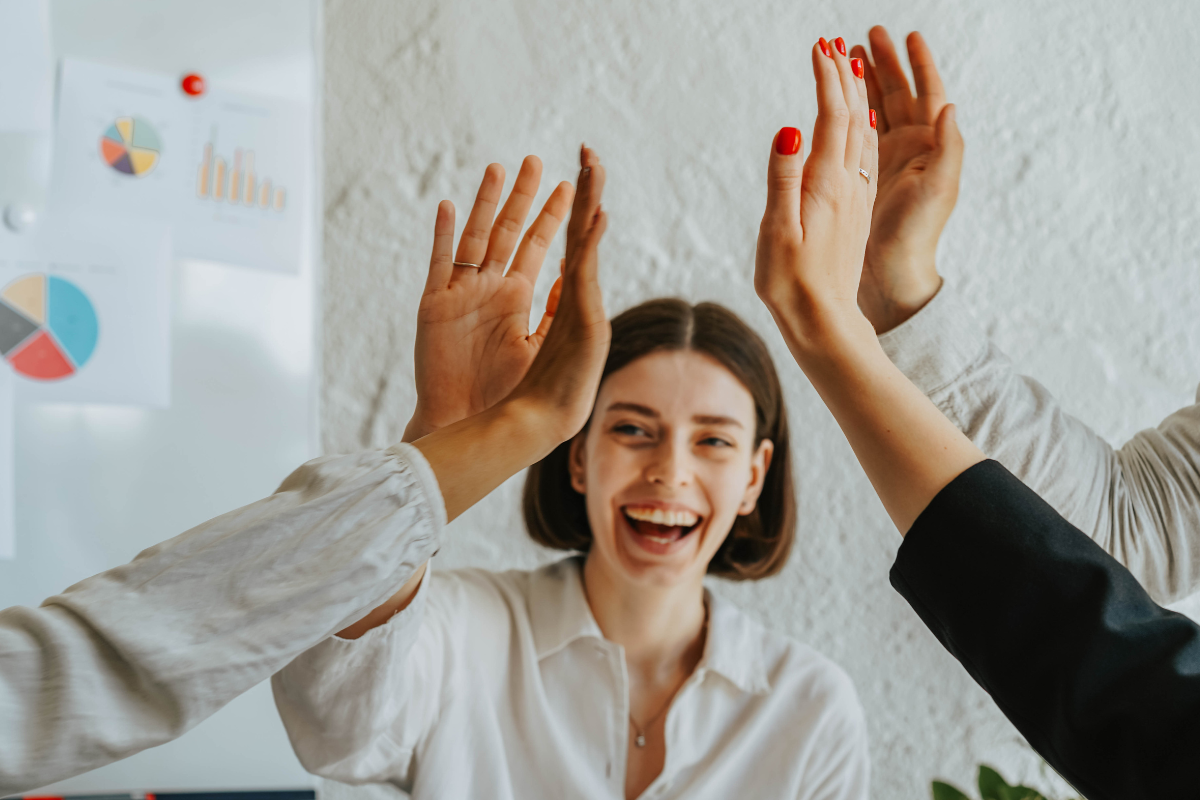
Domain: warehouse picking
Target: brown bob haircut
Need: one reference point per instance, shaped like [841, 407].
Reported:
[759, 543]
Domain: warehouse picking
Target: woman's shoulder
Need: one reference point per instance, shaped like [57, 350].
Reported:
[490, 593]
[775, 663]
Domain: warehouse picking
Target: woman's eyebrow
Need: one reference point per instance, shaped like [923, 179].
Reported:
[710, 419]
[645, 411]
[699, 419]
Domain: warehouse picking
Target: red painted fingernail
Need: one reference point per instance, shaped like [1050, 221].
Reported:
[825, 47]
[787, 141]
[840, 44]
[874, 120]
[856, 66]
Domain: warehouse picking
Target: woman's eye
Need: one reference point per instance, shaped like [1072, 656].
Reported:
[715, 441]
[628, 429]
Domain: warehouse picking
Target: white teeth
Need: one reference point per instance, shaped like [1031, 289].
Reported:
[669, 518]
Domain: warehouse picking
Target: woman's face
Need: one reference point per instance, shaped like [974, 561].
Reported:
[667, 464]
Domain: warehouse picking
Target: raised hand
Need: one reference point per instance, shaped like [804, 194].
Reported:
[920, 158]
[473, 340]
[554, 398]
[818, 216]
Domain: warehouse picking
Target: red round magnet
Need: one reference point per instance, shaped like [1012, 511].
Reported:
[192, 84]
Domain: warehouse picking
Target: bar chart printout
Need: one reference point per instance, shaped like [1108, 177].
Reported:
[235, 182]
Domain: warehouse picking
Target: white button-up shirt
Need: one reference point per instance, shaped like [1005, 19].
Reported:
[501, 685]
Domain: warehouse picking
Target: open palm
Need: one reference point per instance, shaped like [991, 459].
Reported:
[920, 156]
[473, 339]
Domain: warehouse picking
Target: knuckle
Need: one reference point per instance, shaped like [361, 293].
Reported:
[536, 239]
[839, 114]
[783, 182]
[508, 225]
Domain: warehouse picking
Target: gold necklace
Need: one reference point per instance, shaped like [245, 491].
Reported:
[640, 739]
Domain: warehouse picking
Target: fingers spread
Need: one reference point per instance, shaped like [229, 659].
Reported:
[897, 97]
[833, 117]
[441, 266]
[473, 245]
[930, 94]
[507, 227]
[532, 251]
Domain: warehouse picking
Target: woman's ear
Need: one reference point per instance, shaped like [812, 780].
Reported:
[760, 462]
[577, 462]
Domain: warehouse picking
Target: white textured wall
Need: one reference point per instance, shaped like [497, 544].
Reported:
[1075, 242]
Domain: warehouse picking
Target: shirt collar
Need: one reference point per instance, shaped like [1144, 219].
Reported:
[558, 608]
[560, 614]
[735, 647]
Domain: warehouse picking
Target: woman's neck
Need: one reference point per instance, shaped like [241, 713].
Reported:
[662, 629]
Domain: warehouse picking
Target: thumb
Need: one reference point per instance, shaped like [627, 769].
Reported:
[555, 294]
[543, 328]
[948, 154]
[784, 174]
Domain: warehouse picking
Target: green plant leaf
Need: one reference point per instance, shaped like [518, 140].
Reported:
[1025, 793]
[944, 791]
[992, 786]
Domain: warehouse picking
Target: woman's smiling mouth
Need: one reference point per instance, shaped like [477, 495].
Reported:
[657, 529]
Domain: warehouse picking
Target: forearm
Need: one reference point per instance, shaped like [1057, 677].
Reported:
[474, 456]
[908, 448]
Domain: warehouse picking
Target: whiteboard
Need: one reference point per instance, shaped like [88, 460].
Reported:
[97, 484]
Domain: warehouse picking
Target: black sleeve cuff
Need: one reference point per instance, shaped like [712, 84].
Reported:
[1101, 681]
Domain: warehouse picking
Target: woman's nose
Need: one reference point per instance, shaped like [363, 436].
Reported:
[670, 465]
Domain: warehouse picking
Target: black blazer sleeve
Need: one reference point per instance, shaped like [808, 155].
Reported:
[1101, 681]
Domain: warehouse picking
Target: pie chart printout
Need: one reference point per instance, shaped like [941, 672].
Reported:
[131, 146]
[48, 326]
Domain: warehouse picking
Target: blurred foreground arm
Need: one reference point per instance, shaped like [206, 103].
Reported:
[138, 655]
[1101, 681]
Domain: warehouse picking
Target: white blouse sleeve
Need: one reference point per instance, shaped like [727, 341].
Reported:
[354, 709]
[136, 656]
[1140, 502]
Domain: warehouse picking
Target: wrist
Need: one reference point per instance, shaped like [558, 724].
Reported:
[893, 290]
[416, 429]
[811, 325]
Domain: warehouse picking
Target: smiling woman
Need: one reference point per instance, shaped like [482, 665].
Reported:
[668, 342]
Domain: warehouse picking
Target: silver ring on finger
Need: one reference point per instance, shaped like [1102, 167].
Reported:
[467, 264]
[866, 175]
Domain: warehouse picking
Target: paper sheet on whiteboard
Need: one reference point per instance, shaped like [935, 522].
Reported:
[26, 74]
[228, 170]
[7, 496]
[85, 311]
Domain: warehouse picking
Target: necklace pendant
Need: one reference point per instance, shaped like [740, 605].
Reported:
[640, 741]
